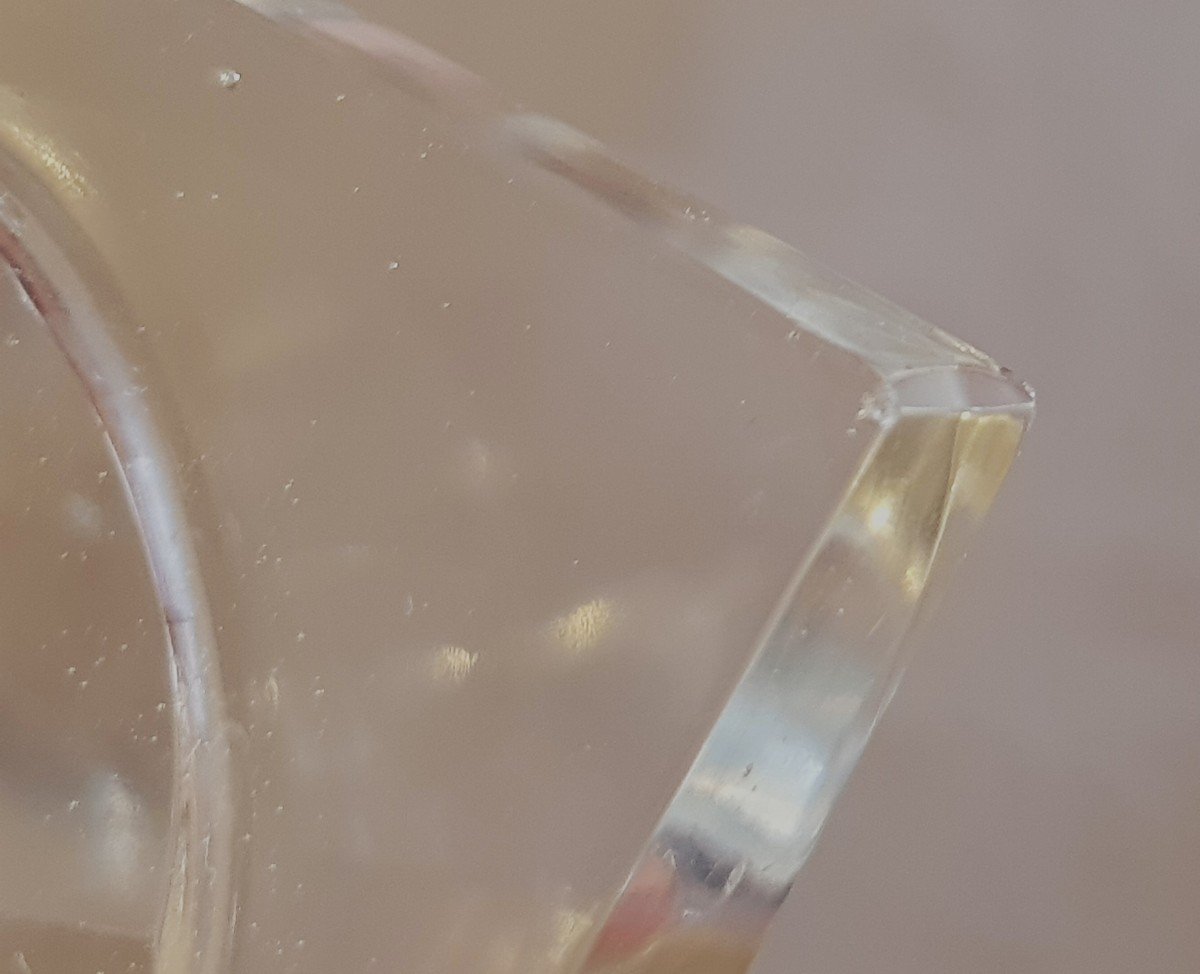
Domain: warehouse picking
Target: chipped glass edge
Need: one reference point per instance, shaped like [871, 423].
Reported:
[945, 424]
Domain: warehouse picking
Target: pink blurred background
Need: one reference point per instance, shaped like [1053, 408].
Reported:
[1026, 175]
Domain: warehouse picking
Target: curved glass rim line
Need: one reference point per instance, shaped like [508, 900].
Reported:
[66, 287]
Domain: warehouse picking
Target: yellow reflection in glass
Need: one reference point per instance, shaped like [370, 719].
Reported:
[37, 149]
[453, 664]
[583, 627]
[571, 928]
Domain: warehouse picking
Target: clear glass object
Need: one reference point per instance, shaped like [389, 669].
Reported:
[428, 545]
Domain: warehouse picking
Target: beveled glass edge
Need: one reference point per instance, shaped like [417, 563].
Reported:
[896, 344]
[947, 422]
[750, 810]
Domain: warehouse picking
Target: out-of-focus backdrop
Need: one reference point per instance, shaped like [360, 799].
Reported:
[1027, 175]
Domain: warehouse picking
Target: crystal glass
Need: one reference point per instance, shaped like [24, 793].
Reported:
[428, 545]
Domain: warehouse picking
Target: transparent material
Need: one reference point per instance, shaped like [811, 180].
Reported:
[428, 546]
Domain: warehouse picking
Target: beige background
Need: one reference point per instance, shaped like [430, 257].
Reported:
[1026, 174]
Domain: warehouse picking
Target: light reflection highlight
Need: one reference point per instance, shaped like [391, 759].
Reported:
[39, 150]
[583, 627]
[881, 516]
[453, 664]
[571, 929]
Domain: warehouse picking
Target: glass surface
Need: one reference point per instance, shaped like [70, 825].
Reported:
[429, 545]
